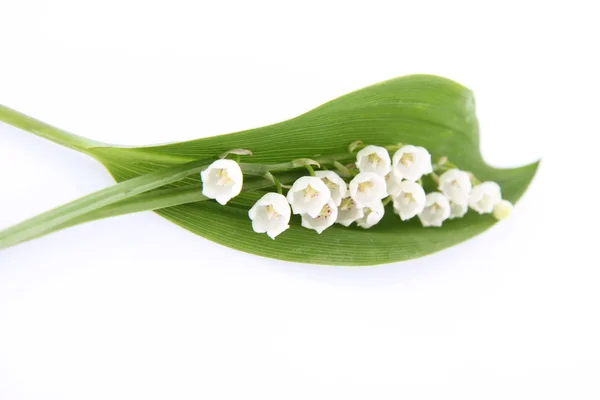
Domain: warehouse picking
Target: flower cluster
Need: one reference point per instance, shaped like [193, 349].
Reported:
[325, 198]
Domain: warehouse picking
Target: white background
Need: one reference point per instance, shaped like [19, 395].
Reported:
[137, 308]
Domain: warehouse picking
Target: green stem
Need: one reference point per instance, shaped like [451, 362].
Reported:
[278, 187]
[271, 178]
[342, 169]
[310, 169]
[355, 145]
[332, 159]
[53, 218]
[154, 200]
[394, 147]
[474, 180]
[41, 129]
[149, 201]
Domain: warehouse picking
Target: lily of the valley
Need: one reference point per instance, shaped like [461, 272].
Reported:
[308, 195]
[410, 200]
[337, 186]
[222, 180]
[372, 215]
[412, 162]
[348, 212]
[456, 185]
[368, 188]
[374, 159]
[458, 210]
[484, 197]
[503, 209]
[325, 218]
[270, 214]
[436, 211]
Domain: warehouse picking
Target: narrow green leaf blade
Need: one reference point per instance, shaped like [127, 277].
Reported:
[154, 200]
[49, 221]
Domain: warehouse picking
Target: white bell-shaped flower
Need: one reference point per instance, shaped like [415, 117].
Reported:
[367, 188]
[410, 201]
[458, 210]
[412, 162]
[348, 212]
[270, 214]
[503, 209]
[326, 217]
[436, 211]
[371, 215]
[222, 180]
[484, 197]
[308, 195]
[336, 185]
[456, 185]
[374, 159]
[392, 182]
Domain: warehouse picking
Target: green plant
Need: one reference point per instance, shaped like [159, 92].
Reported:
[423, 110]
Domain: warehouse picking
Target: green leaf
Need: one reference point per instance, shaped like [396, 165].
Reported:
[424, 110]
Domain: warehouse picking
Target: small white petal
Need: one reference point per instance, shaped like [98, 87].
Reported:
[367, 189]
[392, 182]
[484, 197]
[337, 186]
[410, 200]
[223, 199]
[222, 180]
[503, 209]
[412, 162]
[374, 159]
[270, 214]
[348, 212]
[323, 220]
[213, 191]
[260, 225]
[458, 210]
[436, 211]
[275, 231]
[456, 185]
[314, 208]
[426, 163]
[308, 195]
[372, 215]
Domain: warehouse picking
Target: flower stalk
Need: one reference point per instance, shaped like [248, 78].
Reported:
[275, 181]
